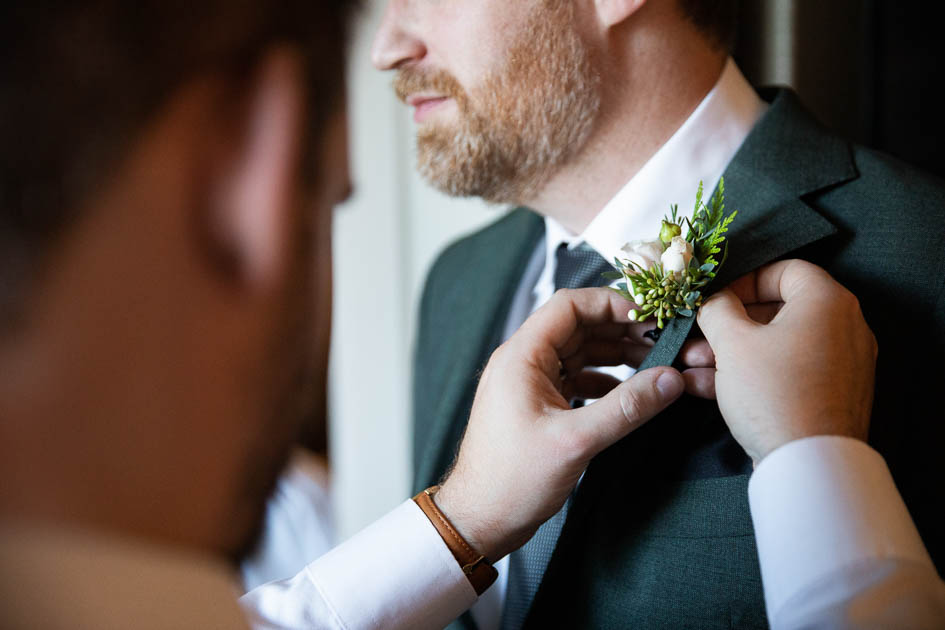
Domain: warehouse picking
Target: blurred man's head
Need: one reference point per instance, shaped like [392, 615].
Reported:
[507, 93]
[167, 171]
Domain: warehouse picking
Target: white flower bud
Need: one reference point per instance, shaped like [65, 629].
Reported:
[643, 253]
[632, 315]
[675, 259]
[640, 299]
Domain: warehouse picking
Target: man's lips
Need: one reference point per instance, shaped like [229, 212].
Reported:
[423, 105]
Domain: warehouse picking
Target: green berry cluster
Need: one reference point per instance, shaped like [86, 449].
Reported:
[665, 297]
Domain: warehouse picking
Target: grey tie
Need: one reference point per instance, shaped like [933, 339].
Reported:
[576, 268]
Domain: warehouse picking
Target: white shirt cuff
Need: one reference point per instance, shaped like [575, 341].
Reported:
[396, 573]
[822, 504]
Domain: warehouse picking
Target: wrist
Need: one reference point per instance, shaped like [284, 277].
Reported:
[797, 436]
[468, 523]
[474, 564]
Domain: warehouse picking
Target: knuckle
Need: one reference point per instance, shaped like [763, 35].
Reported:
[807, 267]
[705, 313]
[631, 405]
[562, 295]
[499, 358]
[497, 355]
[854, 303]
[848, 300]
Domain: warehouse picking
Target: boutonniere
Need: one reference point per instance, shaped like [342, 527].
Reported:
[665, 277]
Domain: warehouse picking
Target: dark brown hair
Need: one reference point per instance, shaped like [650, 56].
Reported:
[716, 18]
[80, 79]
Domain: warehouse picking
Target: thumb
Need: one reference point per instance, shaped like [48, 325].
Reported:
[720, 316]
[628, 406]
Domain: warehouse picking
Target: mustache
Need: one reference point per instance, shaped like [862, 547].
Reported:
[409, 81]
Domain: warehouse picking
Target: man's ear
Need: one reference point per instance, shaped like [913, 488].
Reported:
[256, 192]
[613, 12]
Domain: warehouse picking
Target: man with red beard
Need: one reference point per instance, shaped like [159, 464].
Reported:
[594, 118]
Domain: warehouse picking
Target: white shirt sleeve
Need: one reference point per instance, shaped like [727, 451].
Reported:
[396, 573]
[836, 544]
[298, 528]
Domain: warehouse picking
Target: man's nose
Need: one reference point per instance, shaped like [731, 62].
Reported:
[394, 43]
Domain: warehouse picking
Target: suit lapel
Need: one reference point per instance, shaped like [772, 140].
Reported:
[787, 156]
[478, 305]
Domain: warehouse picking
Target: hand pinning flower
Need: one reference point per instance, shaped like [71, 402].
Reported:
[665, 277]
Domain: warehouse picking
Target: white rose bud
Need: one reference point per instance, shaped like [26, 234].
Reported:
[676, 258]
[643, 253]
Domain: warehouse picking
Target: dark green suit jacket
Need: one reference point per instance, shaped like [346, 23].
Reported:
[660, 535]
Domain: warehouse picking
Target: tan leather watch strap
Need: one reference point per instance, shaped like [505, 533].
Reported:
[481, 574]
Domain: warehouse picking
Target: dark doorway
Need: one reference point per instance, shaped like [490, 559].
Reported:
[871, 69]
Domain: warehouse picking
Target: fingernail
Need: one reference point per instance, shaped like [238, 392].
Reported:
[670, 385]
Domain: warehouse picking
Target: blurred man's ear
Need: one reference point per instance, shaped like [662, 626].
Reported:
[613, 12]
[256, 193]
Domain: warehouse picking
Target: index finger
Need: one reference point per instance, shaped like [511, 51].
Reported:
[570, 309]
[553, 329]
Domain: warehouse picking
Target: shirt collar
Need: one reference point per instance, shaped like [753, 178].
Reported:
[699, 150]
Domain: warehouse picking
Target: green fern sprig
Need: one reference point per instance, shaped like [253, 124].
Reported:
[712, 243]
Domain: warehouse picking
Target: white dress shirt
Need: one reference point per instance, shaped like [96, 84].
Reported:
[299, 523]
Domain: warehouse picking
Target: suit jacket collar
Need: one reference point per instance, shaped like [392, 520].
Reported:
[787, 157]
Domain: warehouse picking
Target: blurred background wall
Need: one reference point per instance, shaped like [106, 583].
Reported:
[871, 69]
[386, 236]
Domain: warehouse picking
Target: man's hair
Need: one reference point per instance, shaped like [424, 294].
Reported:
[716, 18]
[81, 79]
